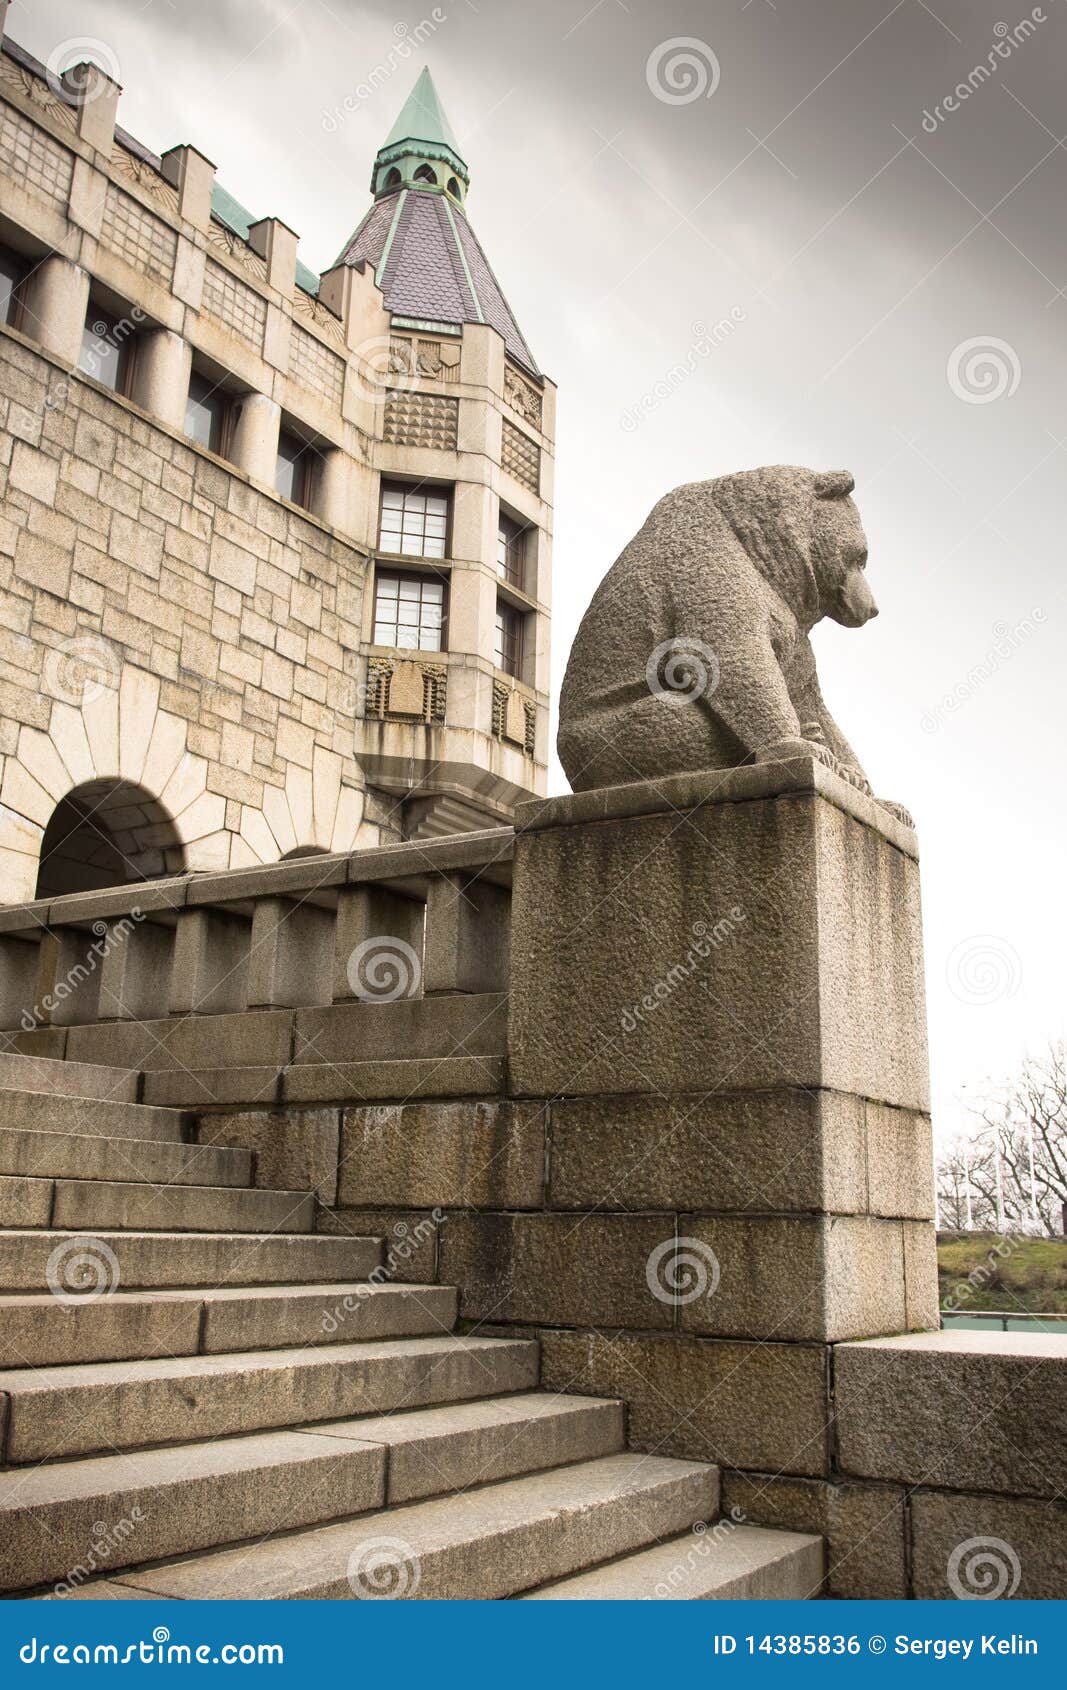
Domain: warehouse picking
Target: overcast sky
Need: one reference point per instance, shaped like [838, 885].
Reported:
[887, 272]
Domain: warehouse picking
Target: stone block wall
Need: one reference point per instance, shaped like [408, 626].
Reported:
[173, 626]
[167, 623]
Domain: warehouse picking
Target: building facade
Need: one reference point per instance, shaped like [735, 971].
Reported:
[275, 547]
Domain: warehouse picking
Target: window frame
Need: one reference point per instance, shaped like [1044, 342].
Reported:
[417, 490]
[220, 447]
[515, 575]
[11, 315]
[305, 469]
[509, 663]
[124, 347]
[411, 577]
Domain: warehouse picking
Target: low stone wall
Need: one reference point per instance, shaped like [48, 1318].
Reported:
[695, 1164]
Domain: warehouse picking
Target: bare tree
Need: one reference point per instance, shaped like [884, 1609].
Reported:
[1014, 1164]
[961, 1205]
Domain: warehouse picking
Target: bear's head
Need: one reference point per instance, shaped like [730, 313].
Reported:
[803, 532]
[839, 552]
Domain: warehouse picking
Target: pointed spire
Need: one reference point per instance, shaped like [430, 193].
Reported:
[421, 150]
[423, 117]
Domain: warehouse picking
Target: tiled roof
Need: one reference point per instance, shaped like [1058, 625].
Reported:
[434, 266]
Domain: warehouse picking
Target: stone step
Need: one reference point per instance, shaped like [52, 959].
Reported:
[436, 1450]
[78, 1079]
[326, 1082]
[63, 1521]
[88, 1205]
[25, 1202]
[472, 1024]
[172, 1259]
[42, 1330]
[725, 1563]
[51, 1112]
[372, 1082]
[486, 1543]
[193, 1497]
[50, 1155]
[115, 1405]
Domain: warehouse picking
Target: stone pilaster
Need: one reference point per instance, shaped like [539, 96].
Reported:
[161, 375]
[54, 304]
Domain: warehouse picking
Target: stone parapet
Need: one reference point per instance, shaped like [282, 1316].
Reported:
[718, 933]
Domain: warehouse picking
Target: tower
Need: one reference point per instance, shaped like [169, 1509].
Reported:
[462, 548]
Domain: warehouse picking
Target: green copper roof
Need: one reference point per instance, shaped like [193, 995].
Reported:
[419, 144]
[423, 118]
[231, 212]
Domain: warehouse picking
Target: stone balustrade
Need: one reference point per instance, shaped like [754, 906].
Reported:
[400, 921]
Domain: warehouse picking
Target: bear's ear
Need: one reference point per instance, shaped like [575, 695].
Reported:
[834, 484]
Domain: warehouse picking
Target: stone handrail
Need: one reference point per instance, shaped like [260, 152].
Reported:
[416, 919]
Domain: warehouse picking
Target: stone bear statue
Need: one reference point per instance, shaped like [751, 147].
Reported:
[694, 653]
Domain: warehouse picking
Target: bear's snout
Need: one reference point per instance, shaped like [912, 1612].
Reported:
[855, 602]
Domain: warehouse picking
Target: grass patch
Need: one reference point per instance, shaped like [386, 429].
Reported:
[981, 1271]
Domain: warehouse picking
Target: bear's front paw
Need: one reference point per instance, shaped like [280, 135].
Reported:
[783, 749]
[855, 777]
[897, 810]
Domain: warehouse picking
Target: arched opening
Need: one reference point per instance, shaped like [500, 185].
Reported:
[106, 833]
[454, 188]
[393, 179]
[425, 174]
[304, 851]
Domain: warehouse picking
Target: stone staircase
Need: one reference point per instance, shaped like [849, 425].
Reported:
[201, 1397]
